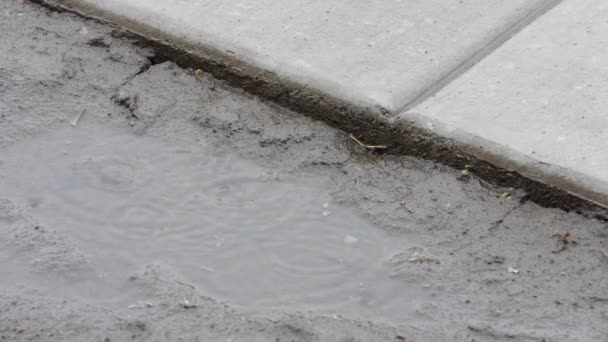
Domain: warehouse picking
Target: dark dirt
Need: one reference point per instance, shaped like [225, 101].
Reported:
[51, 69]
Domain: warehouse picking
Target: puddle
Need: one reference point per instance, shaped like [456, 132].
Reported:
[238, 232]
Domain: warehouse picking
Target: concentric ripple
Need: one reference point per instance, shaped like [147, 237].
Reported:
[237, 231]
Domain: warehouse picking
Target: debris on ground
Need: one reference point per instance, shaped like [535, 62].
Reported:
[187, 305]
[496, 259]
[77, 118]
[414, 255]
[404, 206]
[513, 270]
[507, 194]
[465, 177]
[84, 31]
[564, 240]
[198, 72]
[418, 256]
[139, 306]
[186, 284]
[369, 147]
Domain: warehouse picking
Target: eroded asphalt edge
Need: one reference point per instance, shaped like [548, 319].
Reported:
[373, 125]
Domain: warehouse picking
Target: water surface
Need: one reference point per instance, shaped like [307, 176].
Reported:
[240, 233]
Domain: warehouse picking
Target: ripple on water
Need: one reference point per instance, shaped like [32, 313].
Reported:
[236, 230]
[174, 194]
[305, 261]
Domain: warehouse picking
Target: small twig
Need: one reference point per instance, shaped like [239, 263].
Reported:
[565, 240]
[369, 147]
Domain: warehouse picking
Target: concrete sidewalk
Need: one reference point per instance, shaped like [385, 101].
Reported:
[538, 104]
[533, 105]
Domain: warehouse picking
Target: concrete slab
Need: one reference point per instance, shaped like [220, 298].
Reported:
[374, 53]
[538, 103]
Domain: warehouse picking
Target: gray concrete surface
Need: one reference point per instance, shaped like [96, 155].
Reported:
[384, 53]
[56, 64]
[538, 103]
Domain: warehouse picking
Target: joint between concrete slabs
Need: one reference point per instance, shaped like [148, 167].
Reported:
[480, 54]
[377, 124]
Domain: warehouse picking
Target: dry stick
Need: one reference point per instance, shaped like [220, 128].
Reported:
[369, 147]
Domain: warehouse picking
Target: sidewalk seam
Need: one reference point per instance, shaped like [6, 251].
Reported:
[479, 55]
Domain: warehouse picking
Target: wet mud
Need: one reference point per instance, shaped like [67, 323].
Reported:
[142, 201]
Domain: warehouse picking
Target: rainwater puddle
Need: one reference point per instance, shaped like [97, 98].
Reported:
[240, 233]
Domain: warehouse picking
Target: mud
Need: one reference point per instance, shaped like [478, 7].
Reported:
[61, 284]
